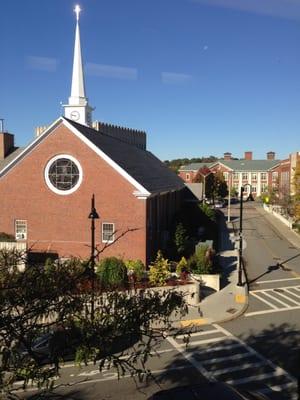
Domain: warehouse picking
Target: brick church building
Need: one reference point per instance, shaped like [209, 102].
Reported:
[46, 187]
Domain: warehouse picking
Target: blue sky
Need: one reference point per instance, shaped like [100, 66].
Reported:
[201, 77]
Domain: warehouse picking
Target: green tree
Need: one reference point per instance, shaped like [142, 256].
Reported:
[55, 299]
[296, 191]
[181, 239]
[159, 270]
[112, 273]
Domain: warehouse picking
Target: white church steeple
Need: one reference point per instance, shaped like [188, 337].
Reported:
[78, 108]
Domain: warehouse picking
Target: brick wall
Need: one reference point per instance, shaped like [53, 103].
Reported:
[60, 223]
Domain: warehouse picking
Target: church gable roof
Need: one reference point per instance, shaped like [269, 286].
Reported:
[139, 164]
[140, 167]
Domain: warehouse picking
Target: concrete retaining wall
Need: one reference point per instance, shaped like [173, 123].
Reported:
[209, 280]
[272, 210]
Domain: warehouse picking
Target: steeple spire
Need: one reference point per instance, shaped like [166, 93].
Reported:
[78, 108]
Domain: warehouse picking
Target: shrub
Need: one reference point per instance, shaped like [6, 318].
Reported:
[202, 261]
[159, 270]
[181, 239]
[208, 211]
[182, 266]
[112, 272]
[6, 237]
[136, 268]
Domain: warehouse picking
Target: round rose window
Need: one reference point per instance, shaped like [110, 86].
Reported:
[63, 174]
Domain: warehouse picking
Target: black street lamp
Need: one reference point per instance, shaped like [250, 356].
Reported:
[92, 216]
[240, 283]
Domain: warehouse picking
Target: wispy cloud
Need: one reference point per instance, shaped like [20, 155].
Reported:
[289, 9]
[172, 78]
[42, 63]
[111, 71]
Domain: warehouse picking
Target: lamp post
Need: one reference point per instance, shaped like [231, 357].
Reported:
[229, 196]
[92, 216]
[241, 235]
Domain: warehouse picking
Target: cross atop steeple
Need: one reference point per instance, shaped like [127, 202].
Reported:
[77, 10]
[78, 108]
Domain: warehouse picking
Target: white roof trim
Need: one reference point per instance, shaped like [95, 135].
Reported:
[142, 192]
[32, 145]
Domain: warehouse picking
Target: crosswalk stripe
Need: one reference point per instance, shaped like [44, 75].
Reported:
[277, 280]
[264, 301]
[208, 332]
[238, 368]
[288, 298]
[272, 289]
[219, 348]
[205, 341]
[230, 357]
[292, 293]
[276, 299]
[271, 311]
[255, 378]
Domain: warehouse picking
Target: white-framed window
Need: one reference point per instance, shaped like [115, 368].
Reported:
[20, 229]
[245, 176]
[264, 188]
[63, 174]
[225, 176]
[274, 176]
[236, 176]
[108, 232]
[253, 188]
[187, 177]
[236, 185]
[253, 177]
[263, 176]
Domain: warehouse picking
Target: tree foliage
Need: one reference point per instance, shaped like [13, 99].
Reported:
[296, 189]
[178, 162]
[159, 270]
[56, 299]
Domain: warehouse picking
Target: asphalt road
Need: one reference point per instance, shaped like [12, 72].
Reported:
[258, 351]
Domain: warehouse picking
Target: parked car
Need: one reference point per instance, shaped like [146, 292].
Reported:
[207, 391]
[219, 204]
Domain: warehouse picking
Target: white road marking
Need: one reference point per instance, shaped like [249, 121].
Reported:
[288, 298]
[190, 359]
[264, 300]
[293, 293]
[275, 294]
[255, 378]
[230, 357]
[219, 348]
[204, 341]
[197, 334]
[271, 311]
[276, 299]
[238, 368]
[277, 280]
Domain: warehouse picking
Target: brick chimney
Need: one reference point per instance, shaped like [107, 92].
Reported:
[6, 142]
[248, 155]
[270, 155]
[227, 156]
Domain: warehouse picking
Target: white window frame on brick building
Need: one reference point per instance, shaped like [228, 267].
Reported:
[253, 177]
[254, 188]
[263, 176]
[236, 176]
[108, 232]
[245, 176]
[274, 176]
[21, 229]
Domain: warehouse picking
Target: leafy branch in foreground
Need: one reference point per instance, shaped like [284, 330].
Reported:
[53, 303]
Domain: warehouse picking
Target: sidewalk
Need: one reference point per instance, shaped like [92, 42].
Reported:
[231, 301]
[282, 229]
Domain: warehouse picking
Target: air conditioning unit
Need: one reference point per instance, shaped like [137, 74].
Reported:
[20, 236]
